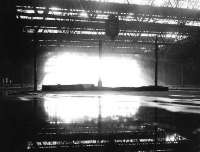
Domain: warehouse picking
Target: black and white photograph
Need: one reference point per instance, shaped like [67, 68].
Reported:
[99, 75]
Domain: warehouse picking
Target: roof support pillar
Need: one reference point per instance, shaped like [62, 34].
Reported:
[156, 62]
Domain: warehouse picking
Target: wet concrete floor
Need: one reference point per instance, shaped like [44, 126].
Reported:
[25, 115]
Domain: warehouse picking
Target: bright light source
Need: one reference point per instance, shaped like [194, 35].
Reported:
[117, 72]
[29, 11]
[141, 2]
[84, 14]
[158, 2]
[82, 69]
[71, 69]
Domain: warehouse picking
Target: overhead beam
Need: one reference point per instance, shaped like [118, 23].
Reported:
[100, 24]
[166, 12]
[90, 37]
[95, 44]
[94, 50]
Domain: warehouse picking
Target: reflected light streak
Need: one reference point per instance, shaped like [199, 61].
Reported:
[174, 138]
[69, 69]
[69, 109]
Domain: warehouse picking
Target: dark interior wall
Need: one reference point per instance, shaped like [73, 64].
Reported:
[169, 73]
[172, 72]
[186, 57]
[179, 64]
[191, 73]
[7, 13]
[15, 57]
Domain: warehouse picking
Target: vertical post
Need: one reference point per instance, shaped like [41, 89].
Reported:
[156, 129]
[181, 74]
[22, 77]
[100, 56]
[99, 117]
[35, 68]
[156, 61]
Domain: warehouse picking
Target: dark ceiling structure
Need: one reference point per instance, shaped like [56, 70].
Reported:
[81, 24]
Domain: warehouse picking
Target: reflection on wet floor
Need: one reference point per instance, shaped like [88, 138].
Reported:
[144, 137]
[76, 109]
[110, 121]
